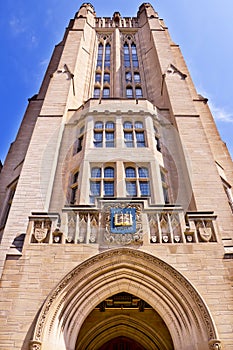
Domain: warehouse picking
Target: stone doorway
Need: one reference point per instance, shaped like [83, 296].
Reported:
[123, 322]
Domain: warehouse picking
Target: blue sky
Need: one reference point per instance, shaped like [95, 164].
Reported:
[31, 29]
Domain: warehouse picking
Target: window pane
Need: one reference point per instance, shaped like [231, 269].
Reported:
[137, 78]
[129, 92]
[109, 188]
[96, 172]
[140, 139]
[138, 125]
[96, 93]
[106, 92]
[131, 188]
[95, 188]
[133, 49]
[109, 172]
[128, 136]
[128, 77]
[130, 172]
[106, 78]
[126, 49]
[98, 125]
[109, 125]
[144, 188]
[98, 77]
[98, 136]
[143, 172]
[128, 125]
[109, 139]
[138, 92]
[140, 136]
[127, 63]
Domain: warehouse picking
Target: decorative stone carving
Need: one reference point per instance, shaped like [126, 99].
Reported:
[215, 344]
[204, 229]
[41, 230]
[35, 345]
[126, 237]
[173, 70]
[161, 269]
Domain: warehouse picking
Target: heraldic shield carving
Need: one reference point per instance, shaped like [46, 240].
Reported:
[123, 224]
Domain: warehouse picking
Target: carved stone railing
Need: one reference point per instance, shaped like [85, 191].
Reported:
[170, 226]
[89, 225]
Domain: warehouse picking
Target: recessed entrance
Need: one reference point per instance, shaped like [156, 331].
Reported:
[123, 322]
[121, 343]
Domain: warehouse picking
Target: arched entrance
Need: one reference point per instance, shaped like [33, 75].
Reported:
[131, 271]
[124, 321]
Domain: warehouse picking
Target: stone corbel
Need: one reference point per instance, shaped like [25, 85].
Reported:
[172, 70]
[35, 345]
[215, 344]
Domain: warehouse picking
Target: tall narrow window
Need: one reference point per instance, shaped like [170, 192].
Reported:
[109, 182]
[98, 134]
[74, 188]
[164, 186]
[126, 56]
[103, 70]
[134, 55]
[107, 56]
[131, 68]
[100, 56]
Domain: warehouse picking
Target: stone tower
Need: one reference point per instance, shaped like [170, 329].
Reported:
[116, 218]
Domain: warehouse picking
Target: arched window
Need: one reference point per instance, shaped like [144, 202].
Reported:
[106, 92]
[129, 92]
[143, 172]
[96, 172]
[130, 172]
[100, 56]
[107, 58]
[109, 172]
[128, 125]
[138, 92]
[99, 125]
[138, 125]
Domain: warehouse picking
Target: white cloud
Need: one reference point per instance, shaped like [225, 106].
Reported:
[220, 114]
[17, 25]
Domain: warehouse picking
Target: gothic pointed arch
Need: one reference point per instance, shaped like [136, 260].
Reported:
[168, 292]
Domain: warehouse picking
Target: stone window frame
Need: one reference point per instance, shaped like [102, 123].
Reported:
[135, 179]
[101, 134]
[102, 180]
[103, 67]
[132, 134]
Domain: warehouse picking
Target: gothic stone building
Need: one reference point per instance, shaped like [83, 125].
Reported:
[116, 208]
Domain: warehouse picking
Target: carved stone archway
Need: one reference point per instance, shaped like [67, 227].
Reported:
[169, 293]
